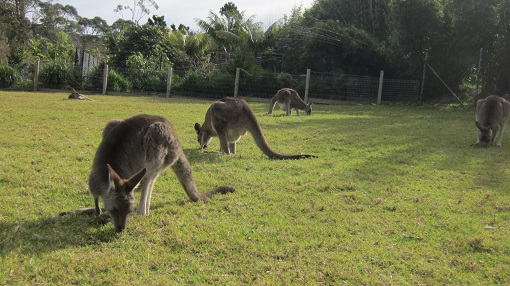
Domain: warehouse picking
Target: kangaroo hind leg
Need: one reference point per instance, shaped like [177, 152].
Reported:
[271, 105]
[146, 187]
[232, 147]
[161, 148]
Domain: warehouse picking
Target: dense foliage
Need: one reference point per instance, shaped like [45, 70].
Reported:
[8, 76]
[358, 37]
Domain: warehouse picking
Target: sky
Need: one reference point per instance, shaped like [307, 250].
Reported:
[186, 11]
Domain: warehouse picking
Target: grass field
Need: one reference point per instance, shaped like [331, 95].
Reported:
[397, 197]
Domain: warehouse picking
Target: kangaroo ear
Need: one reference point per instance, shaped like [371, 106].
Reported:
[113, 178]
[197, 127]
[133, 181]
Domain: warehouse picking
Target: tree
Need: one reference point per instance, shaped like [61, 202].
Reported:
[324, 39]
[15, 26]
[139, 9]
[482, 24]
[149, 40]
[368, 15]
[416, 28]
[229, 28]
[189, 50]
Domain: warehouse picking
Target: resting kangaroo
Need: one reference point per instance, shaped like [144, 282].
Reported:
[229, 119]
[289, 99]
[491, 116]
[132, 154]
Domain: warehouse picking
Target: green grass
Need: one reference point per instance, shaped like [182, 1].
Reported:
[397, 196]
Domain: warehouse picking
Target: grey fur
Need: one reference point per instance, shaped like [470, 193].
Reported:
[491, 117]
[289, 99]
[138, 148]
[229, 119]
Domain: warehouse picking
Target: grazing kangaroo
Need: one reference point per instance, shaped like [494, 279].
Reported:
[229, 119]
[491, 117]
[289, 99]
[132, 154]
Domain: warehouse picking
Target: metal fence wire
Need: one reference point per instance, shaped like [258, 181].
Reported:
[321, 85]
[361, 88]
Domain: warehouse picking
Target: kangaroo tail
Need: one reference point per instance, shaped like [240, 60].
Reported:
[260, 140]
[182, 169]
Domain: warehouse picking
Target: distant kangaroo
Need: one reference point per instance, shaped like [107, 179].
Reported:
[289, 99]
[132, 154]
[491, 117]
[77, 96]
[229, 119]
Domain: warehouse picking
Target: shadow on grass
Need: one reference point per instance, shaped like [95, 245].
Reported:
[205, 156]
[53, 233]
[417, 143]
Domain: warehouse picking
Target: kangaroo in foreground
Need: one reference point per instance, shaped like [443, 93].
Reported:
[229, 119]
[132, 154]
[491, 117]
[289, 99]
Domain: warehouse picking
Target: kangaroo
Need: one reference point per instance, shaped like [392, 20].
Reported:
[229, 119]
[491, 117]
[131, 156]
[289, 99]
[77, 96]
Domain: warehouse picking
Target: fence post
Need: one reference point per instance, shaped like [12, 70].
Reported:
[307, 84]
[423, 77]
[36, 75]
[236, 88]
[105, 78]
[379, 93]
[169, 82]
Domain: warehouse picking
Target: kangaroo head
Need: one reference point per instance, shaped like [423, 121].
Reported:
[203, 136]
[308, 109]
[120, 200]
[484, 134]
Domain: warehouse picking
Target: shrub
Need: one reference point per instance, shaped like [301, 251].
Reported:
[56, 74]
[8, 76]
[117, 82]
[154, 80]
[146, 79]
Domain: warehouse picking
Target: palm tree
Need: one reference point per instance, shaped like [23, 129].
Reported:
[189, 49]
[230, 30]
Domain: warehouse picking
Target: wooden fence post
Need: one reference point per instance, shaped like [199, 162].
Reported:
[423, 76]
[169, 82]
[36, 75]
[105, 78]
[379, 93]
[236, 88]
[307, 84]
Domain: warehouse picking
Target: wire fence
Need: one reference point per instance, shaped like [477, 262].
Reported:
[264, 84]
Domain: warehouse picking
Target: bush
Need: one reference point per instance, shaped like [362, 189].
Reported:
[154, 80]
[147, 80]
[117, 82]
[57, 75]
[8, 76]
[216, 85]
